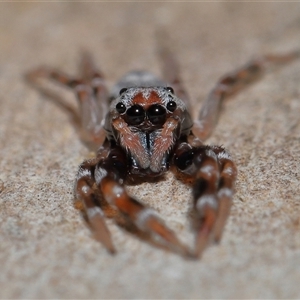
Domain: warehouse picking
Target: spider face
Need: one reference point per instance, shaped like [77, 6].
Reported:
[140, 118]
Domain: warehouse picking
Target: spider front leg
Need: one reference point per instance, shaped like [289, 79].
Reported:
[106, 175]
[87, 200]
[214, 175]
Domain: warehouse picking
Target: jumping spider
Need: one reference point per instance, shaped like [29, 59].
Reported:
[142, 128]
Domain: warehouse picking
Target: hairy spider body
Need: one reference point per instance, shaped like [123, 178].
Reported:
[149, 123]
[141, 129]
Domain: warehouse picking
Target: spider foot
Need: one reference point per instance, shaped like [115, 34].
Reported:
[101, 232]
[151, 223]
[204, 232]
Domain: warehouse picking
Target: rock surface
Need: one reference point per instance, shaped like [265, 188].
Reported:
[46, 251]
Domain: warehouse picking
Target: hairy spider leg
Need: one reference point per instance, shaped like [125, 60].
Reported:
[205, 198]
[35, 79]
[228, 174]
[214, 176]
[232, 83]
[92, 98]
[110, 174]
[96, 79]
[86, 200]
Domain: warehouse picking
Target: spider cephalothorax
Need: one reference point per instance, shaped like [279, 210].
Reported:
[141, 129]
[147, 122]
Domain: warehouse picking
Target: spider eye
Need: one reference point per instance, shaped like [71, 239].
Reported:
[135, 115]
[171, 106]
[120, 107]
[170, 89]
[156, 114]
[123, 90]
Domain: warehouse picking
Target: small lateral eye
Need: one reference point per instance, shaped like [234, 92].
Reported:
[170, 90]
[171, 106]
[123, 90]
[120, 107]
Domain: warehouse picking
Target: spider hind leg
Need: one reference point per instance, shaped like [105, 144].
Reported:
[231, 84]
[91, 94]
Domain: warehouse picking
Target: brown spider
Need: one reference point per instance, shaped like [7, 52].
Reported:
[141, 129]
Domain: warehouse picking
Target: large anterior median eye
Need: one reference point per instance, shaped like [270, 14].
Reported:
[156, 114]
[135, 115]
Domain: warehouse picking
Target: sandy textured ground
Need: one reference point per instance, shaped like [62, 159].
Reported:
[45, 249]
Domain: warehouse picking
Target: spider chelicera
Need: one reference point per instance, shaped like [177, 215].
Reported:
[140, 130]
